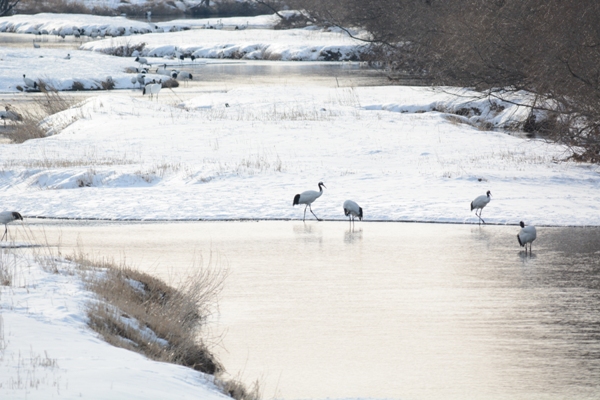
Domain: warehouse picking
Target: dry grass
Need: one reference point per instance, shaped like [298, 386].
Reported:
[141, 313]
[30, 126]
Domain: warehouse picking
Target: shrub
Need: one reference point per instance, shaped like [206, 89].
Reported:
[29, 127]
[170, 83]
[77, 86]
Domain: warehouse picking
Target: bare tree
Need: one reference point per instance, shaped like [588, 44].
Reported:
[548, 47]
[7, 6]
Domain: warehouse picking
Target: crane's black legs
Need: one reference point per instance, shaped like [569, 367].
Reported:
[318, 219]
[310, 208]
[479, 215]
[5, 231]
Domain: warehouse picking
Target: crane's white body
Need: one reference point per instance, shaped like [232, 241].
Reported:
[152, 89]
[307, 198]
[6, 217]
[527, 235]
[10, 115]
[185, 76]
[29, 82]
[480, 202]
[352, 210]
[142, 61]
[141, 79]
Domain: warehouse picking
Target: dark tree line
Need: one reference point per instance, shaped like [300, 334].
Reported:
[548, 47]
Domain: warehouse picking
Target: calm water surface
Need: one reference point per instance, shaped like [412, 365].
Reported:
[387, 310]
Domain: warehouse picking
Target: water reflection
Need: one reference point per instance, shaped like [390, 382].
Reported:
[353, 235]
[384, 310]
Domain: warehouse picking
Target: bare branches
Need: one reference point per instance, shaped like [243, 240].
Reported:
[7, 6]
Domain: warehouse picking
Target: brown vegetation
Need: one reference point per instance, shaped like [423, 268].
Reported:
[29, 126]
[141, 313]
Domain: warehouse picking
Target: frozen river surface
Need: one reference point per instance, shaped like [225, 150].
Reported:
[387, 310]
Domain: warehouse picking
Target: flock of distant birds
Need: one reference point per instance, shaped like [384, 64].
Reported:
[149, 86]
[352, 210]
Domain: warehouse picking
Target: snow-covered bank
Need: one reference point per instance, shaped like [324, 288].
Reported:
[245, 153]
[56, 25]
[308, 44]
[48, 351]
[49, 25]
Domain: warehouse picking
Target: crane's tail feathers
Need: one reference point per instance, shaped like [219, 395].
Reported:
[296, 200]
[360, 214]
[471, 206]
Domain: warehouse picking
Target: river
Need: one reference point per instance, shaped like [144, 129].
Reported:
[382, 310]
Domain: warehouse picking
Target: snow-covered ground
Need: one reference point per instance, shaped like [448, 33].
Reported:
[400, 152]
[48, 352]
[246, 152]
[46, 25]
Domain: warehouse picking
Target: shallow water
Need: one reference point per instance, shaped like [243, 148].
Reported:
[386, 310]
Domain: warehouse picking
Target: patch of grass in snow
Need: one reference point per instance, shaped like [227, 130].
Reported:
[344, 97]
[141, 313]
[51, 163]
[518, 159]
[275, 113]
[33, 372]
[33, 124]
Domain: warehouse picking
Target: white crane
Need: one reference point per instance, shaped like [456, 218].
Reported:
[526, 235]
[307, 198]
[162, 70]
[153, 89]
[141, 79]
[479, 203]
[142, 60]
[10, 115]
[6, 217]
[352, 210]
[185, 76]
[30, 82]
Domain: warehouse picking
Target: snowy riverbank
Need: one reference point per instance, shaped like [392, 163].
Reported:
[398, 151]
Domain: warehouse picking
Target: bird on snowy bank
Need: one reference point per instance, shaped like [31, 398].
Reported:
[152, 89]
[526, 235]
[185, 76]
[10, 115]
[308, 197]
[142, 60]
[30, 83]
[352, 210]
[6, 217]
[479, 203]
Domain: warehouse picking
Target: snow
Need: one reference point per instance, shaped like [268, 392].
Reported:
[47, 351]
[55, 24]
[126, 157]
[307, 44]
[400, 152]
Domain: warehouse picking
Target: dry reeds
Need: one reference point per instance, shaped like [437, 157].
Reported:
[30, 127]
[141, 313]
